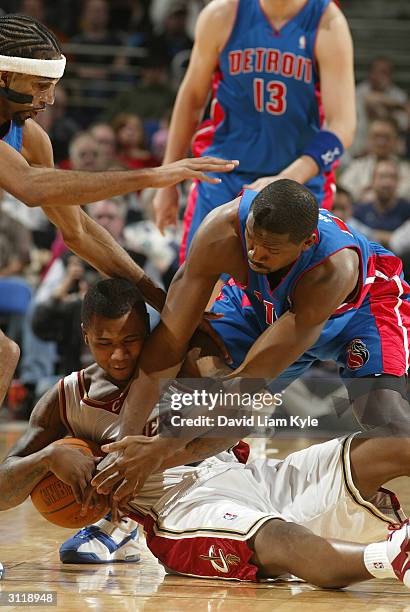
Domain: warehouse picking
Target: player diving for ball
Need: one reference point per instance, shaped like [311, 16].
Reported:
[220, 518]
[31, 64]
[304, 287]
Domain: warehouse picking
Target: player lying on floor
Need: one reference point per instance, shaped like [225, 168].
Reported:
[221, 518]
[115, 324]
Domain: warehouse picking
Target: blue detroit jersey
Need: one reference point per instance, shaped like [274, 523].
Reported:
[267, 96]
[368, 335]
[14, 137]
[332, 235]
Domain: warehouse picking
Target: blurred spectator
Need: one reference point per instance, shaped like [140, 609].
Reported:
[382, 144]
[104, 135]
[95, 69]
[15, 245]
[172, 37]
[160, 250]
[42, 232]
[151, 97]
[38, 10]
[111, 214]
[377, 98]
[400, 244]
[159, 9]
[84, 154]
[137, 23]
[387, 211]
[58, 125]
[343, 208]
[131, 146]
[160, 137]
[58, 318]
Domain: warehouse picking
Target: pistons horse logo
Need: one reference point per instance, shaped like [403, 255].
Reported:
[357, 354]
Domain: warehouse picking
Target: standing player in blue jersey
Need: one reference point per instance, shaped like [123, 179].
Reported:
[304, 286]
[283, 100]
[31, 64]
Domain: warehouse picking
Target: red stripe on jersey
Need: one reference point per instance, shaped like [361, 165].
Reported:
[213, 557]
[391, 314]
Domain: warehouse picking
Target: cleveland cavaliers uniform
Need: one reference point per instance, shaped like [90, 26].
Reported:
[98, 420]
[198, 520]
[266, 106]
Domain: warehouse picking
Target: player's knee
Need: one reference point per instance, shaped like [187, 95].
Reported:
[272, 544]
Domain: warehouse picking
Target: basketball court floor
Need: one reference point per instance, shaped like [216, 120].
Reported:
[29, 552]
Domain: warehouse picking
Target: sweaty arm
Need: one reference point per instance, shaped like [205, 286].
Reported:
[317, 296]
[28, 461]
[336, 85]
[36, 185]
[186, 301]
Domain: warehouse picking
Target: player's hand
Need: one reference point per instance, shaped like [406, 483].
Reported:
[166, 204]
[193, 168]
[73, 467]
[260, 183]
[136, 458]
[207, 328]
[92, 499]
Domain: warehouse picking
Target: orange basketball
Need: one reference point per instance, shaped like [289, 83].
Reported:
[55, 500]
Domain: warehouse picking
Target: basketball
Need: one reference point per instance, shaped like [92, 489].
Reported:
[54, 499]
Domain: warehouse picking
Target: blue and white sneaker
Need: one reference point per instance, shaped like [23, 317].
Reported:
[103, 542]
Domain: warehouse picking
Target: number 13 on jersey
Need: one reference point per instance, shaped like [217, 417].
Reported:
[269, 96]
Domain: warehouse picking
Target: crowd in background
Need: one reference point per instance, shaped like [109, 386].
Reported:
[112, 111]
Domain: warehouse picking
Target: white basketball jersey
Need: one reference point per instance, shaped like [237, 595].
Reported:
[98, 420]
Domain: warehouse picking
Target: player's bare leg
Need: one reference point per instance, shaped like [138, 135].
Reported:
[287, 548]
[375, 461]
[9, 356]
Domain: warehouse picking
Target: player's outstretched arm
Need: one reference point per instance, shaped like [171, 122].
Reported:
[27, 462]
[317, 296]
[57, 188]
[186, 302]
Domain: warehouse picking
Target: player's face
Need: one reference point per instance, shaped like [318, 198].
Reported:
[41, 88]
[269, 252]
[116, 344]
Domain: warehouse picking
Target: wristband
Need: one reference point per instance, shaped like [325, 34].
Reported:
[325, 148]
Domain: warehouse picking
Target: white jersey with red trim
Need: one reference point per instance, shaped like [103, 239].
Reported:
[98, 420]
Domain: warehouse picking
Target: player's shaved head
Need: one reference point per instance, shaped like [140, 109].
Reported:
[286, 207]
[112, 298]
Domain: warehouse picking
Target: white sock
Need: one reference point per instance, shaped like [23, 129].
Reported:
[376, 561]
